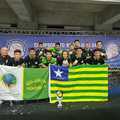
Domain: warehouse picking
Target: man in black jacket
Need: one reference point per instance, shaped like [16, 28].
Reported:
[31, 61]
[97, 59]
[99, 47]
[5, 59]
[17, 60]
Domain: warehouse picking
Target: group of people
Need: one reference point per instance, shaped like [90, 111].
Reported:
[43, 57]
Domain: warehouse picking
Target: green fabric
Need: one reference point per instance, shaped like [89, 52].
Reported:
[57, 52]
[35, 85]
[46, 62]
[53, 49]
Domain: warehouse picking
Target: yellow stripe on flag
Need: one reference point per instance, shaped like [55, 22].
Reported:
[81, 100]
[80, 88]
[85, 84]
[88, 75]
[88, 69]
[79, 82]
[82, 94]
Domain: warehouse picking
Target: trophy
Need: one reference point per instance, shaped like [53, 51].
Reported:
[59, 98]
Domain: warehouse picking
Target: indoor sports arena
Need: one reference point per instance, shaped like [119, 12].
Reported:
[60, 59]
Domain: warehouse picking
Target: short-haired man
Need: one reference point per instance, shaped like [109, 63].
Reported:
[40, 51]
[77, 58]
[77, 44]
[5, 59]
[97, 59]
[87, 50]
[56, 50]
[99, 47]
[48, 59]
[31, 61]
[17, 60]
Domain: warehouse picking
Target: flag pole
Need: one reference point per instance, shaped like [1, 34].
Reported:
[49, 83]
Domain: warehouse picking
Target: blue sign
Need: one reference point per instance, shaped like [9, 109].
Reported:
[23, 42]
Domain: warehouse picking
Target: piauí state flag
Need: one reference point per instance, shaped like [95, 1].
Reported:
[80, 83]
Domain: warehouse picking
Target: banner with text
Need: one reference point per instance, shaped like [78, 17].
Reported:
[23, 42]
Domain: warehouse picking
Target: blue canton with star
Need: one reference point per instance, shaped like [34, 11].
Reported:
[59, 73]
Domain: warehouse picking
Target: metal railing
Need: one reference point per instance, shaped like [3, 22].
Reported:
[56, 32]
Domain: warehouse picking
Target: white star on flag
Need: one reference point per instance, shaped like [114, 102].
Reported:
[58, 73]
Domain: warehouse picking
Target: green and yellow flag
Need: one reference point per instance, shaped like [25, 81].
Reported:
[35, 83]
[17, 83]
[80, 83]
